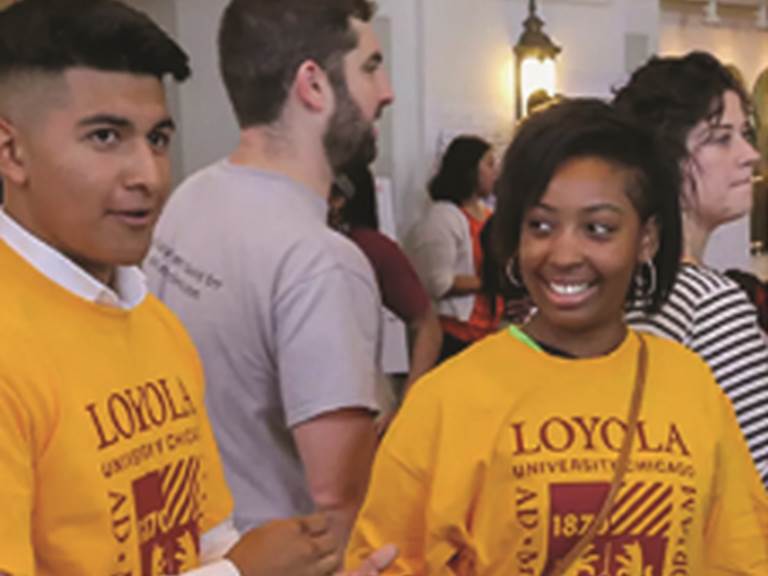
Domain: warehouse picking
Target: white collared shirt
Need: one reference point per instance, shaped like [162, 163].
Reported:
[130, 283]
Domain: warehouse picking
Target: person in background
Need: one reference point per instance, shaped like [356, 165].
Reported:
[559, 446]
[540, 99]
[353, 211]
[445, 246]
[285, 311]
[107, 460]
[756, 290]
[702, 113]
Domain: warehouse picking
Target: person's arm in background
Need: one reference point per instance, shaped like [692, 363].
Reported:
[327, 340]
[337, 451]
[426, 338]
[304, 546]
[464, 284]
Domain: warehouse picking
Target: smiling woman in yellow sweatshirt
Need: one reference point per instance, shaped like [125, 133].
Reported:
[572, 444]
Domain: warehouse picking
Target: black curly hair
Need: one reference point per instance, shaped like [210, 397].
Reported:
[673, 94]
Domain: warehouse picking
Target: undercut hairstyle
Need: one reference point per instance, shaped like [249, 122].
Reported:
[262, 44]
[456, 179]
[51, 36]
[590, 128]
[673, 94]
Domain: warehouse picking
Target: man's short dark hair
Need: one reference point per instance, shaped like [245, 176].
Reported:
[262, 43]
[51, 36]
[588, 128]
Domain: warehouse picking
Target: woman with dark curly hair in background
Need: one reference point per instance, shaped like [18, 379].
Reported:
[701, 111]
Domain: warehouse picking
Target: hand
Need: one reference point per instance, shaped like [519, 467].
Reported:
[292, 547]
[376, 562]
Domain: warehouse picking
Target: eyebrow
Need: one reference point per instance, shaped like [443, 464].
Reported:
[122, 122]
[105, 119]
[601, 207]
[589, 209]
[165, 124]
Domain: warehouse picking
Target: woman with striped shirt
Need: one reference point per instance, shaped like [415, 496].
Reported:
[701, 110]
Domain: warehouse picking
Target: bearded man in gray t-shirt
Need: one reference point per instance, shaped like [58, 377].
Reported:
[284, 311]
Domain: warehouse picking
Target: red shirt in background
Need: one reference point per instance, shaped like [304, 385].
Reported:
[401, 289]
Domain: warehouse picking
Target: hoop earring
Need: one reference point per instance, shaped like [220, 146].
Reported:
[645, 280]
[511, 273]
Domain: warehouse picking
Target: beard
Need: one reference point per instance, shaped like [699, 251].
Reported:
[349, 139]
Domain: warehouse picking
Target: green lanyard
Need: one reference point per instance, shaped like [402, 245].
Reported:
[524, 338]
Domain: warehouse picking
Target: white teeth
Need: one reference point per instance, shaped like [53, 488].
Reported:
[568, 289]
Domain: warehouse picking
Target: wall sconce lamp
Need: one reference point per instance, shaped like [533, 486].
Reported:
[535, 55]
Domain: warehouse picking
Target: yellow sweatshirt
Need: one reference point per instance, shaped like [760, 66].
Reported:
[107, 463]
[500, 459]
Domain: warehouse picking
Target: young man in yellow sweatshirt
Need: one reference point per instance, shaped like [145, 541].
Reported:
[107, 460]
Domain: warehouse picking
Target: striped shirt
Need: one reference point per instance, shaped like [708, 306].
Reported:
[712, 315]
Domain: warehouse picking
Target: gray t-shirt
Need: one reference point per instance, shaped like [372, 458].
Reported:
[285, 313]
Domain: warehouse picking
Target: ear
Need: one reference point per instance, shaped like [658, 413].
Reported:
[689, 171]
[649, 241]
[312, 87]
[12, 157]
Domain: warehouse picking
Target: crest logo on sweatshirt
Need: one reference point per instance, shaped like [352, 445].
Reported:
[168, 503]
[632, 542]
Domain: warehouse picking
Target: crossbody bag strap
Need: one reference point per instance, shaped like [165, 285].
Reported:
[621, 464]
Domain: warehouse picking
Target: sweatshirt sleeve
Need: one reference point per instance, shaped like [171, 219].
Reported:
[736, 531]
[398, 507]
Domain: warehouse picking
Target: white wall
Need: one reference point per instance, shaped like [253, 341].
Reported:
[736, 40]
[466, 83]
[461, 82]
[209, 130]
[403, 135]
[593, 35]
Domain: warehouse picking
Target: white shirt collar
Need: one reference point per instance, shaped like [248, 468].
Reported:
[130, 282]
